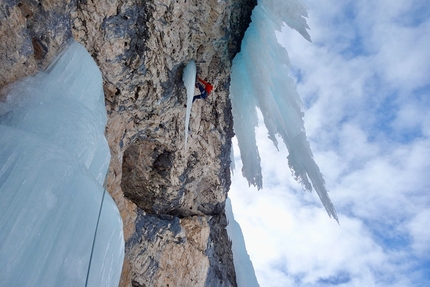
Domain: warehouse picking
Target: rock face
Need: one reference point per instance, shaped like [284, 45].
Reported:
[31, 34]
[171, 199]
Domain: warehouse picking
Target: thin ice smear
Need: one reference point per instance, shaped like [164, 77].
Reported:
[260, 79]
[189, 78]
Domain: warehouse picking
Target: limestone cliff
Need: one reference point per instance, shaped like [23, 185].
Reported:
[171, 199]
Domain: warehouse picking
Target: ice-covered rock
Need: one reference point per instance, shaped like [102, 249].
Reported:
[141, 48]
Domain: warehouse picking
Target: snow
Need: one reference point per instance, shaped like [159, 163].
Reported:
[189, 78]
[53, 162]
[260, 79]
[245, 273]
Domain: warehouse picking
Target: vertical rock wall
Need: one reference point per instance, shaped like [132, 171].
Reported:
[171, 199]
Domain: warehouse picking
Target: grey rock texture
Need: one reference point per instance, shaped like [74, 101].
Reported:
[171, 199]
[32, 33]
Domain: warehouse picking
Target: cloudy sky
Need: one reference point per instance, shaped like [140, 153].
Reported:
[365, 84]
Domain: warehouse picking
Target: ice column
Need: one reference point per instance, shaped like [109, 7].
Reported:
[189, 78]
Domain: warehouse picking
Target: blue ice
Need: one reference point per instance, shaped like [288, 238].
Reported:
[260, 79]
[53, 163]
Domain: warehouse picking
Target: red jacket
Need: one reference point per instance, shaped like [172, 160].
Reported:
[208, 86]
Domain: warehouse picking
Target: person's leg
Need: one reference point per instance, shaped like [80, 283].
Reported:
[201, 88]
[203, 93]
[197, 97]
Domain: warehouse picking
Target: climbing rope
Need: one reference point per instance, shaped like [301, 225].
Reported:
[94, 239]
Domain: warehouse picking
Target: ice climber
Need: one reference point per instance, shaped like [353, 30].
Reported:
[205, 89]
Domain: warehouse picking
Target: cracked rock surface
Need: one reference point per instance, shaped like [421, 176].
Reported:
[171, 199]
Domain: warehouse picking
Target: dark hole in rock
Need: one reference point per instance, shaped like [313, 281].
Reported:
[38, 48]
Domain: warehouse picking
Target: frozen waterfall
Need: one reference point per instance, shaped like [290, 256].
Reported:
[260, 79]
[53, 162]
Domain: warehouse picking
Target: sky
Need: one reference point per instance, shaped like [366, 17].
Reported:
[365, 84]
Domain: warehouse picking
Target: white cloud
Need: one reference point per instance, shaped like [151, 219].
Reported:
[368, 122]
[290, 232]
[420, 234]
